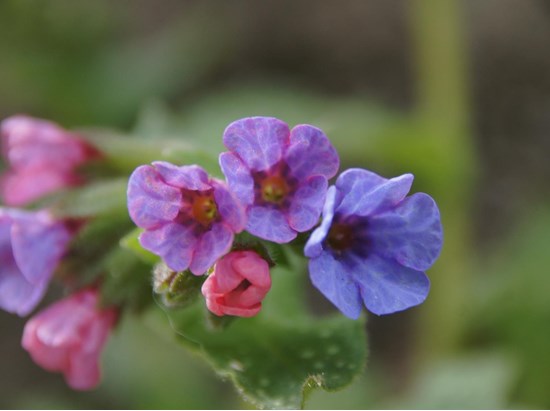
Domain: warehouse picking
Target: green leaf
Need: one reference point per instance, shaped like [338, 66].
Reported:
[127, 281]
[123, 153]
[91, 200]
[276, 359]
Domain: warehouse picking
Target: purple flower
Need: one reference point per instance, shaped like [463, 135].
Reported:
[374, 244]
[189, 218]
[279, 175]
[31, 245]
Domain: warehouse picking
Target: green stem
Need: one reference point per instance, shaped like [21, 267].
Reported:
[444, 110]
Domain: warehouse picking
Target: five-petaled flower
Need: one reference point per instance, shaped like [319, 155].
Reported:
[31, 245]
[374, 244]
[238, 285]
[280, 175]
[189, 219]
[69, 336]
[42, 157]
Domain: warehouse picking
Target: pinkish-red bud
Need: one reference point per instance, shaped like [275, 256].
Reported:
[42, 159]
[69, 336]
[238, 285]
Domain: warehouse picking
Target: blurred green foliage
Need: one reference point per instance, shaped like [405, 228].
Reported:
[482, 338]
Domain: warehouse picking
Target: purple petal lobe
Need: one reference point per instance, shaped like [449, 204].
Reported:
[151, 202]
[17, 295]
[213, 244]
[173, 242]
[314, 245]
[310, 153]
[258, 141]
[387, 286]
[229, 208]
[334, 280]
[269, 224]
[38, 244]
[188, 177]
[238, 177]
[307, 203]
[411, 233]
[366, 193]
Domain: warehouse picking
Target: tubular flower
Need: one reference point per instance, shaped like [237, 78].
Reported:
[42, 158]
[31, 245]
[189, 218]
[238, 285]
[280, 175]
[374, 244]
[69, 336]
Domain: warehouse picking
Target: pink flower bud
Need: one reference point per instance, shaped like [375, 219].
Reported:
[68, 337]
[42, 158]
[238, 284]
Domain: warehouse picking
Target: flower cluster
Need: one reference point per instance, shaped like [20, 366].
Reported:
[42, 159]
[371, 249]
[368, 243]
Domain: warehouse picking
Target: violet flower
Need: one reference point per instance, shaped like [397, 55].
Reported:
[31, 245]
[279, 175]
[69, 336]
[189, 219]
[374, 244]
[42, 158]
[238, 285]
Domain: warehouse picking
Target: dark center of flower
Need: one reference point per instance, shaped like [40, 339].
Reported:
[204, 209]
[340, 237]
[274, 189]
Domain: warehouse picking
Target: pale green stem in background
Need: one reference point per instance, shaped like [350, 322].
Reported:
[438, 30]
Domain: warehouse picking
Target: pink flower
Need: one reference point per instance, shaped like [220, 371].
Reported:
[238, 284]
[68, 337]
[42, 159]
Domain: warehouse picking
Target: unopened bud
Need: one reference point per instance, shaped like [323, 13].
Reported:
[177, 289]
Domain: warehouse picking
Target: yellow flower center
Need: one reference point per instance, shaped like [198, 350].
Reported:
[274, 189]
[204, 209]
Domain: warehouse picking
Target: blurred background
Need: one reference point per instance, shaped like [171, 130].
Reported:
[456, 92]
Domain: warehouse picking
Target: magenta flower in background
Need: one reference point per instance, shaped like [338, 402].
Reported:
[374, 244]
[280, 175]
[42, 158]
[31, 245]
[69, 336]
[238, 285]
[189, 219]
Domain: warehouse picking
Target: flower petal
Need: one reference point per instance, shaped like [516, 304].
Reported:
[269, 224]
[314, 246]
[311, 153]
[411, 233]
[213, 244]
[387, 286]
[238, 177]
[31, 143]
[258, 141]
[17, 295]
[25, 186]
[188, 177]
[173, 242]
[366, 193]
[38, 244]
[151, 202]
[83, 371]
[229, 207]
[307, 203]
[334, 279]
